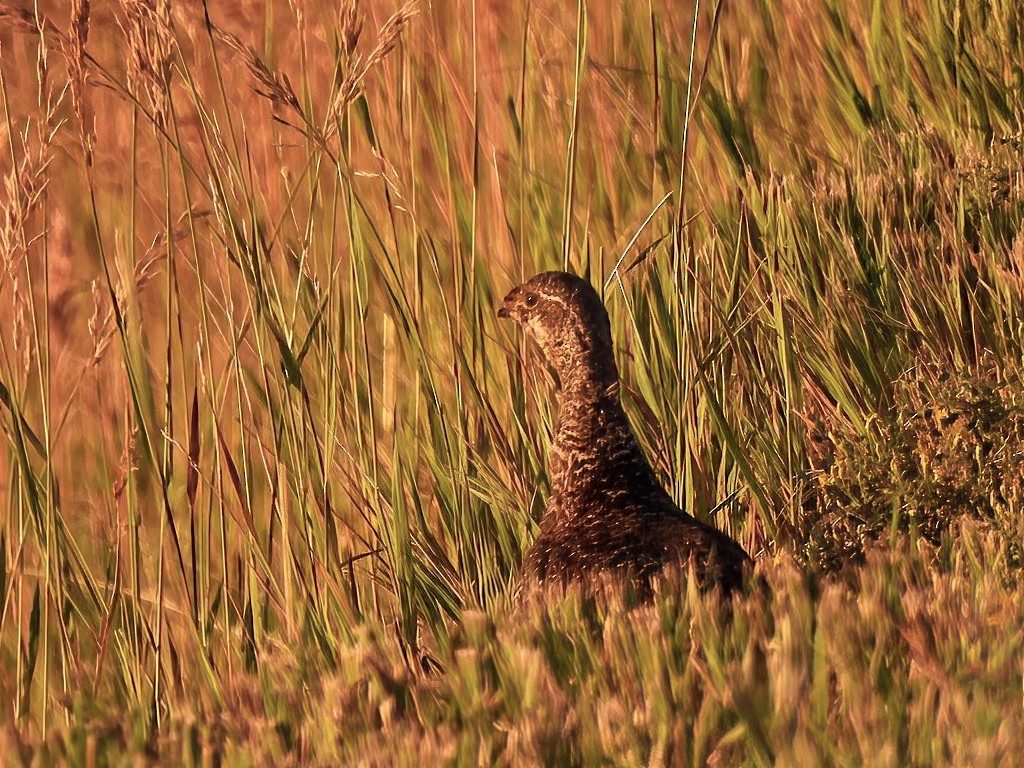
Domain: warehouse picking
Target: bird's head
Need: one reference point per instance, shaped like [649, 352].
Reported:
[564, 315]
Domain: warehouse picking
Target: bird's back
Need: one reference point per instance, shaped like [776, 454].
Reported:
[615, 536]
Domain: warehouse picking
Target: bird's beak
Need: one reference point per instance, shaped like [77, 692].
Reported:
[505, 310]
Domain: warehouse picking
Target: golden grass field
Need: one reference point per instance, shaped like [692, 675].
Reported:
[270, 462]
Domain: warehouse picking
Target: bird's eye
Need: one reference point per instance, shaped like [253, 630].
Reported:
[531, 300]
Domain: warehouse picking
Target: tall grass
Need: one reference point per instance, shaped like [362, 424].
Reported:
[271, 462]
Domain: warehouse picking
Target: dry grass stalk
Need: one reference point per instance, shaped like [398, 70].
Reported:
[145, 271]
[27, 22]
[74, 52]
[80, 10]
[24, 185]
[128, 462]
[391, 32]
[350, 25]
[268, 83]
[18, 19]
[23, 189]
[276, 87]
[387, 40]
[151, 45]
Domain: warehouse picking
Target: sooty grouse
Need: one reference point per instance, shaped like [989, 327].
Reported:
[607, 511]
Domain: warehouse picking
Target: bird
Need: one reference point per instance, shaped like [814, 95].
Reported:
[607, 514]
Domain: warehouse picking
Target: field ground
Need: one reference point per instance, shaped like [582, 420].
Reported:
[270, 461]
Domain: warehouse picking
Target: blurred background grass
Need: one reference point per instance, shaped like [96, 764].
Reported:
[270, 460]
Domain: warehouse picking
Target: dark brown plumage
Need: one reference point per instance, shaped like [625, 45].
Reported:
[607, 511]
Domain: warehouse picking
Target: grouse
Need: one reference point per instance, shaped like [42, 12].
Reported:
[607, 513]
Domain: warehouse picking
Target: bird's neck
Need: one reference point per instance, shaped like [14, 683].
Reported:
[587, 376]
[591, 425]
[592, 391]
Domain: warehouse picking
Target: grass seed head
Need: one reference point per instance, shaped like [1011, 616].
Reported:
[151, 46]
